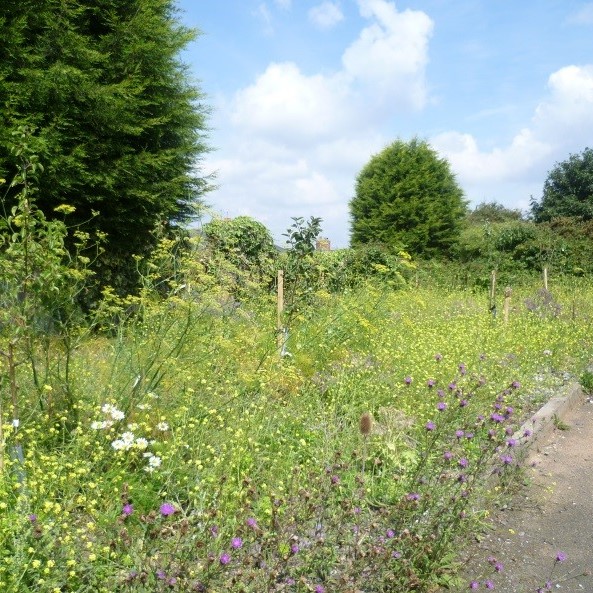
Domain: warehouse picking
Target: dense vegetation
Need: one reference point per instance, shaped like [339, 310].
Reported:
[568, 190]
[163, 442]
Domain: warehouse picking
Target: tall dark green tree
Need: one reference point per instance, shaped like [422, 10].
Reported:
[568, 190]
[407, 196]
[117, 123]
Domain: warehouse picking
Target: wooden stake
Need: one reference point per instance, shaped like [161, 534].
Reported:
[546, 278]
[507, 303]
[279, 328]
[493, 292]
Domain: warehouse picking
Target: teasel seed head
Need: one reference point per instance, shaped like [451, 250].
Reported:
[366, 424]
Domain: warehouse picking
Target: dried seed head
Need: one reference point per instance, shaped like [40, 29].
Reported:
[366, 424]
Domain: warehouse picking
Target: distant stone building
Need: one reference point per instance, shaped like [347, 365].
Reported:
[323, 244]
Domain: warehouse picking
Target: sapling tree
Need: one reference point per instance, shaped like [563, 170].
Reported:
[41, 284]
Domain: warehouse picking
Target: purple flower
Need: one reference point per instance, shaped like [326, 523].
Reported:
[506, 459]
[440, 393]
[161, 575]
[452, 386]
[408, 380]
[236, 543]
[251, 522]
[463, 403]
[489, 584]
[413, 496]
[497, 418]
[441, 406]
[172, 581]
[463, 462]
[214, 531]
[335, 480]
[511, 442]
[469, 436]
[515, 384]
[396, 554]
[474, 585]
[509, 430]
[430, 383]
[294, 549]
[430, 425]
[438, 357]
[527, 433]
[461, 478]
[560, 557]
[390, 533]
[224, 559]
[447, 455]
[32, 518]
[462, 369]
[498, 567]
[127, 509]
[319, 589]
[167, 509]
[459, 434]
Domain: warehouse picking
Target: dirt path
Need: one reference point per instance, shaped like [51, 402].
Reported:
[553, 514]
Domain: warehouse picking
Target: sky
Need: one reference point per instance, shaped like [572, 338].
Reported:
[303, 93]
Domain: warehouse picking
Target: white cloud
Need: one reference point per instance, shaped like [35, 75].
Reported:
[390, 55]
[383, 67]
[583, 16]
[326, 15]
[285, 105]
[562, 124]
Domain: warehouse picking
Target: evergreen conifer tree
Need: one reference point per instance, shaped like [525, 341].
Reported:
[112, 115]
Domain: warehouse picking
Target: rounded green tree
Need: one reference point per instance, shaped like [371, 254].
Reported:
[407, 197]
[568, 190]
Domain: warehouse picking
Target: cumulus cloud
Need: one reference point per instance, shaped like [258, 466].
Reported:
[562, 123]
[391, 54]
[285, 105]
[384, 66]
[326, 15]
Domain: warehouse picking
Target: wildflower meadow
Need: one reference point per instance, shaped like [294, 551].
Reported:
[167, 441]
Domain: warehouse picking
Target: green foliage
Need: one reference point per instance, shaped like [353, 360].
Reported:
[492, 212]
[568, 190]
[245, 242]
[41, 284]
[114, 119]
[407, 197]
[298, 264]
[586, 382]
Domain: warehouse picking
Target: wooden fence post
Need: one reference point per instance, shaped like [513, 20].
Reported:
[545, 278]
[493, 293]
[280, 303]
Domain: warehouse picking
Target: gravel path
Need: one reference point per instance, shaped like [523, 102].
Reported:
[553, 514]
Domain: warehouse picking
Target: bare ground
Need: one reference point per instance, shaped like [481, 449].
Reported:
[552, 514]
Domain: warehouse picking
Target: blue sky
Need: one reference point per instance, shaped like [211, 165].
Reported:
[304, 92]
